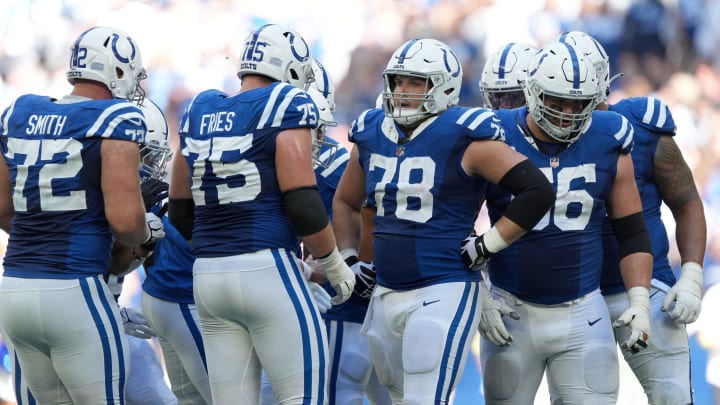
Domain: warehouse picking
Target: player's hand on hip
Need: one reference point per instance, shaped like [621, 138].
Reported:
[491, 325]
[637, 318]
[364, 279]
[321, 297]
[474, 252]
[686, 295]
[341, 278]
[135, 323]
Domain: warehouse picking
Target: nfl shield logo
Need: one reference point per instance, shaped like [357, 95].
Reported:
[554, 162]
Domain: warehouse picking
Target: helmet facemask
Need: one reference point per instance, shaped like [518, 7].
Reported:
[155, 151]
[560, 79]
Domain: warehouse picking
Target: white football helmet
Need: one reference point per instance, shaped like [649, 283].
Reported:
[109, 56]
[595, 52]
[325, 120]
[278, 52]
[323, 83]
[437, 64]
[559, 70]
[155, 151]
[503, 74]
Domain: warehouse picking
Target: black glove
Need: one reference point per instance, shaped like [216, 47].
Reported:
[364, 276]
[153, 192]
[364, 279]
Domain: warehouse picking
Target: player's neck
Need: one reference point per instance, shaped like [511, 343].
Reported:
[251, 82]
[91, 90]
[603, 106]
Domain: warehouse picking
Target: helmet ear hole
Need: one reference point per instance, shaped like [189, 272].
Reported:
[119, 73]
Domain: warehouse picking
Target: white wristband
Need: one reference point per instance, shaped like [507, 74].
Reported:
[333, 262]
[639, 296]
[348, 252]
[693, 272]
[493, 241]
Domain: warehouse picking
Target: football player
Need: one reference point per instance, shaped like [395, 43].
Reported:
[425, 163]
[662, 175]
[551, 276]
[503, 73]
[351, 375]
[247, 189]
[70, 186]
[167, 291]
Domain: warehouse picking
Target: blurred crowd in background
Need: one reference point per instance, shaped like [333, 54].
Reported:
[666, 48]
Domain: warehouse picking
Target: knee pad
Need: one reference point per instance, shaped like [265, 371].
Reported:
[603, 377]
[501, 375]
[669, 393]
[424, 353]
[355, 367]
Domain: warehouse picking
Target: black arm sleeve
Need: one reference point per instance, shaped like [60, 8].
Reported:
[305, 209]
[181, 213]
[533, 194]
[632, 234]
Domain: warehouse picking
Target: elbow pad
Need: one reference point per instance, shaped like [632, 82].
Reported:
[631, 234]
[181, 213]
[533, 194]
[305, 209]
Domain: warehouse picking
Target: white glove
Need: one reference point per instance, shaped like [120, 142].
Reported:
[322, 298]
[157, 231]
[491, 325]
[637, 317]
[135, 323]
[686, 294]
[476, 251]
[341, 278]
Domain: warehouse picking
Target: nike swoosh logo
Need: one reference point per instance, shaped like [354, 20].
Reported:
[135, 121]
[426, 303]
[654, 292]
[591, 323]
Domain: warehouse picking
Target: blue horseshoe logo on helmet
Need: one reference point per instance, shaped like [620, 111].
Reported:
[447, 62]
[122, 59]
[301, 58]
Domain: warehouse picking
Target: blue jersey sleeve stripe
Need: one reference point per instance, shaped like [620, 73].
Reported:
[269, 106]
[6, 119]
[111, 117]
[467, 114]
[338, 162]
[360, 122]
[282, 108]
[480, 119]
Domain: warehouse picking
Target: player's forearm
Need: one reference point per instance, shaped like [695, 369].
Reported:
[346, 225]
[636, 270]
[691, 231]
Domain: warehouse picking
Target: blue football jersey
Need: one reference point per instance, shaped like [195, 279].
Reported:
[170, 277]
[560, 259]
[651, 119]
[229, 145]
[426, 203]
[52, 149]
[328, 174]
